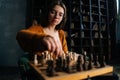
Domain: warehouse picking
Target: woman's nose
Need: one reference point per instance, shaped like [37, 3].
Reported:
[57, 15]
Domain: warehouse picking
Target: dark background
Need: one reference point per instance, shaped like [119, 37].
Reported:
[12, 19]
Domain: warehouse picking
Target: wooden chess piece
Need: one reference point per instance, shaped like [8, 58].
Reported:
[91, 64]
[86, 62]
[50, 68]
[88, 78]
[59, 63]
[42, 59]
[68, 69]
[64, 66]
[96, 62]
[80, 63]
[102, 61]
[35, 59]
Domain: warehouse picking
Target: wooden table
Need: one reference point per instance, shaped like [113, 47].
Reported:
[74, 76]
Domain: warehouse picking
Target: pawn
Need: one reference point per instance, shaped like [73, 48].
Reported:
[35, 59]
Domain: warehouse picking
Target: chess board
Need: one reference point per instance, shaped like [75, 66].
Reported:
[69, 66]
[41, 71]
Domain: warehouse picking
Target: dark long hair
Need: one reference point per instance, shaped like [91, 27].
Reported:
[45, 14]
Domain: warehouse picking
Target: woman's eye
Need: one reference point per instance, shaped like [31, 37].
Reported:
[53, 12]
[61, 14]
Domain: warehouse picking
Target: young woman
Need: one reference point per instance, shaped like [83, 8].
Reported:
[49, 34]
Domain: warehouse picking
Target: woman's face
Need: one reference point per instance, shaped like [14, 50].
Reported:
[56, 15]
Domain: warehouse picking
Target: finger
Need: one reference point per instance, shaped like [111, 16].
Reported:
[58, 49]
[48, 44]
[52, 44]
[61, 53]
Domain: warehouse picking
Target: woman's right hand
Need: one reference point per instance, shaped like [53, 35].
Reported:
[52, 45]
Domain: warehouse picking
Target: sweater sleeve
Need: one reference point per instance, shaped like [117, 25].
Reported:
[29, 41]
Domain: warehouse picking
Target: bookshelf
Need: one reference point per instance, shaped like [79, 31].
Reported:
[89, 30]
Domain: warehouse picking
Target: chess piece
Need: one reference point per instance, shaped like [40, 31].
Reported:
[68, 69]
[50, 68]
[102, 61]
[64, 62]
[35, 59]
[86, 62]
[80, 63]
[59, 63]
[88, 78]
[91, 64]
[96, 62]
[43, 60]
